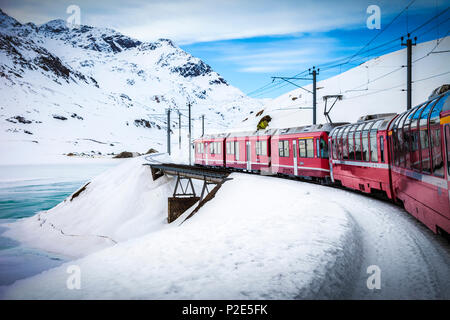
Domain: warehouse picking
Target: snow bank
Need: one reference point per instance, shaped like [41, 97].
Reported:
[259, 238]
[122, 203]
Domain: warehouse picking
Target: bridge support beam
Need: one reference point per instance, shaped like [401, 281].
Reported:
[177, 206]
[184, 195]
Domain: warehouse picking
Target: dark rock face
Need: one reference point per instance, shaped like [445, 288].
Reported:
[151, 150]
[19, 119]
[44, 60]
[76, 116]
[219, 80]
[142, 123]
[52, 63]
[58, 117]
[191, 69]
[126, 154]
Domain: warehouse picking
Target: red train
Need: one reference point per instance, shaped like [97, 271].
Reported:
[403, 156]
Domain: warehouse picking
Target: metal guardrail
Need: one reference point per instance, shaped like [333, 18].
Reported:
[207, 174]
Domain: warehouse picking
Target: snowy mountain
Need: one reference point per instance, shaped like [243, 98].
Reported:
[376, 86]
[93, 90]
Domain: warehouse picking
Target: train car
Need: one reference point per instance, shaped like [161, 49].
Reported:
[359, 157]
[210, 150]
[249, 151]
[420, 161]
[302, 151]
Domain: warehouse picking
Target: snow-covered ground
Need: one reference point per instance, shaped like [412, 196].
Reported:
[259, 238]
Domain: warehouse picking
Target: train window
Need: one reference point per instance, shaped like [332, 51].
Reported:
[436, 145]
[401, 141]
[373, 146]
[261, 148]
[395, 145]
[323, 149]
[215, 147]
[345, 143]
[435, 112]
[302, 148]
[283, 148]
[415, 151]
[358, 143]
[414, 138]
[382, 148]
[318, 148]
[351, 143]
[365, 145]
[310, 148]
[345, 148]
[340, 143]
[409, 138]
[423, 138]
[334, 150]
[306, 148]
[230, 147]
[334, 143]
[236, 149]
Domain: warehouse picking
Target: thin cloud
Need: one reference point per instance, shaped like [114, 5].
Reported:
[196, 21]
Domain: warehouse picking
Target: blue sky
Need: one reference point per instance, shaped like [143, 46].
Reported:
[248, 41]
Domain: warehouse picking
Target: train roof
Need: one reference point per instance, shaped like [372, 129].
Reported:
[376, 122]
[256, 133]
[213, 136]
[433, 107]
[326, 127]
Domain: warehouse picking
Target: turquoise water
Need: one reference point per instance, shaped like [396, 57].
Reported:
[24, 201]
[26, 190]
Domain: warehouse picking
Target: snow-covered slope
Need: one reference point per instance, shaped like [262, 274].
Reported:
[239, 249]
[91, 90]
[259, 238]
[376, 86]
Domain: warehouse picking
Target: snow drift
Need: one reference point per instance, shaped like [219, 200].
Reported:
[120, 204]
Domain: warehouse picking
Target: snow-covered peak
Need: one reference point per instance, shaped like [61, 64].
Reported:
[7, 22]
[87, 37]
[55, 26]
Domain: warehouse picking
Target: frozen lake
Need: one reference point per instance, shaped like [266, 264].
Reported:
[27, 189]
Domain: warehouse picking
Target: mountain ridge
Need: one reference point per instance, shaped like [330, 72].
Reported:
[95, 84]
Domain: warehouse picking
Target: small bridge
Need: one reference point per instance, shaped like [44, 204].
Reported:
[184, 195]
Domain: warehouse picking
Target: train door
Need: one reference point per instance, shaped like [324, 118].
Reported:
[294, 152]
[206, 152]
[248, 154]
